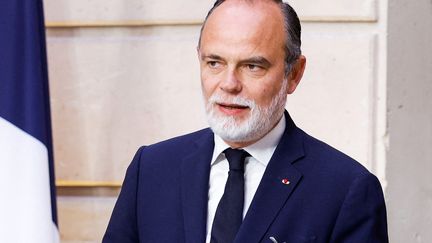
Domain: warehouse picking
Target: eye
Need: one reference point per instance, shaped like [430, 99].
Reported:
[213, 64]
[253, 67]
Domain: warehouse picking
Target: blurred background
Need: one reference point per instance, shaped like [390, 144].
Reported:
[125, 73]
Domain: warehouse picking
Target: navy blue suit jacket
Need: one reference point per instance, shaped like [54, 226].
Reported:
[330, 197]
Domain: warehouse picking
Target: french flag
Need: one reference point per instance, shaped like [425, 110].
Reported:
[27, 188]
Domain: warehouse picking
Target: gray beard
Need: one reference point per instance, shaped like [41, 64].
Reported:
[256, 126]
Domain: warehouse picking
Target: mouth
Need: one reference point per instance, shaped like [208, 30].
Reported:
[232, 106]
[232, 109]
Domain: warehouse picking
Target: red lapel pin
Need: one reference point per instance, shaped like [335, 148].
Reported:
[285, 181]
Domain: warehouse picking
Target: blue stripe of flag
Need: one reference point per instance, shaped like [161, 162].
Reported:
[24, 91]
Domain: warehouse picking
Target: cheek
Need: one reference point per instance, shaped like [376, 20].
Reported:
[264, 93]
[266, 97]
[208, 85]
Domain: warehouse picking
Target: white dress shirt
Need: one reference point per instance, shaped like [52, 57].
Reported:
[261, 153]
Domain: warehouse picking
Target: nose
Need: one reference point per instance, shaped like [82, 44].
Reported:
[231, 82]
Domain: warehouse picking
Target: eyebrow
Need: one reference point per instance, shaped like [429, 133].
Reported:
[257, 60]
[211, 56]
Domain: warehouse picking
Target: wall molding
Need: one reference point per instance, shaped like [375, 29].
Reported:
[144, 23]
[86, 184]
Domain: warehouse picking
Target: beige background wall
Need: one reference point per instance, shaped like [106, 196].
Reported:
[125, 73]
[409, 153]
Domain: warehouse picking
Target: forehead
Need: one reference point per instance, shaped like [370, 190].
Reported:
[257, 25]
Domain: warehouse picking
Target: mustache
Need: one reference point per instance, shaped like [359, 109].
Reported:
[236, 100]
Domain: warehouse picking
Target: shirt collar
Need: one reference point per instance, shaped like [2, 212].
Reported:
[262, 150]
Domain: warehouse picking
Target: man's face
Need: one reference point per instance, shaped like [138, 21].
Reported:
[242, 70]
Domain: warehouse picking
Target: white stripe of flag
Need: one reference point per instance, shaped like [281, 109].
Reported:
[25, 188]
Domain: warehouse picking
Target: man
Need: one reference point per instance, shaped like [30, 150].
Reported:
[255, 176]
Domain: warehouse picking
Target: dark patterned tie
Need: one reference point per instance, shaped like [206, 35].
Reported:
[229, 213]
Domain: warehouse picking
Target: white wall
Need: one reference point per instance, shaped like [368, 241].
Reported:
[409, 89]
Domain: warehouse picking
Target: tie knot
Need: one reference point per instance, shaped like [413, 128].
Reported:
[236, 158]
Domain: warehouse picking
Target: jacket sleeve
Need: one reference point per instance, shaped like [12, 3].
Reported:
[122, 227]
[362, 217]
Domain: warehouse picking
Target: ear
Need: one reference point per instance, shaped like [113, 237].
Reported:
[296, 74]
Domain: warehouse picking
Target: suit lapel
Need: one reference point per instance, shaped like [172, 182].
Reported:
[272, 193]
[195, 173]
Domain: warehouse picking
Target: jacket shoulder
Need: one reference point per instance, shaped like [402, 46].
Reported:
[185, 139]
[176, 146]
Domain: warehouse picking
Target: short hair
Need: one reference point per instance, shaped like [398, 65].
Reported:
[292, 31]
